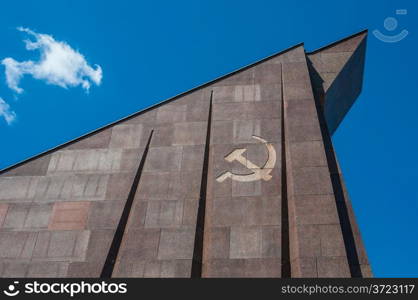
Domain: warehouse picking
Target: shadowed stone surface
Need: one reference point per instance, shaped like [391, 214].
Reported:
[278, 203]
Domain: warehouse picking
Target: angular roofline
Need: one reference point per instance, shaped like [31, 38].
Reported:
[60, 146]
[338, 42]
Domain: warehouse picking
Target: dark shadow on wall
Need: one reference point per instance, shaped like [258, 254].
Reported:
[197, 262]
[286, 267]
[345, 89]
[112, 255]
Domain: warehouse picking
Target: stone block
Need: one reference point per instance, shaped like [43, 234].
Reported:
[229, 111]
[3, 212]
[333, 267]
[223, 94]
[224, 268]
[105, 215]
[146, 117]
[244, 130]
[333, 61]
[84, 269]
[176, 243]
[85, 160]
[227, 268]
[293, 55]
[238, 211]
[297, 91]
[71, 187]
[38, 216]
[218, 241]
[152, 269]
[348, 45]
[98, 246]
[264, 267]
[15, 244]
[311, 181]
[185, 185]
[271, 130]
[247, 93]
[69, 215]
[16, 216]
[303, 132]
[41, 246]
[307, 154]
[163, 135]
[119, 186]
[190, 211]
[28, 249]
[273, 187]
[245, 242]
[192, 157]
[263, 110]
[198, 111]
[64, 245]
[332, 243]
[220, 189]
[47, 269]
[304, 267]
[308, 241]
[252, 188]
[221, 132]
[159, 269]
[154, 186]
[126, 136]
[81, 246]
[36, 167]
[315, 209]
[164, 214]
[138, 214]
[98, 140]
[243, 77]
[171, 113]
[179, 268]
[295, 72]
[141, 244]
[267, 73]
[15, 269]
[190, 133]
[21, 188]
[61, 244]
[237, 93]
[130, 159]
[271, 92]
[129, 267]
[271, 241]
[163, 159]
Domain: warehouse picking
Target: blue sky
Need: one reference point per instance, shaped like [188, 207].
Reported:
[152, 50]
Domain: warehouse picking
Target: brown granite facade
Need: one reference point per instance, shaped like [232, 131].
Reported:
[236, 178]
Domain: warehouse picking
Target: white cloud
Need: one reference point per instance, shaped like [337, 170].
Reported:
[59, 64]
[5, 112]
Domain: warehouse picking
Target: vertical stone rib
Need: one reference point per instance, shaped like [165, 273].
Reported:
[286, 269]
[197, 262]
[340, 201]
[120, 230]
[316, 241]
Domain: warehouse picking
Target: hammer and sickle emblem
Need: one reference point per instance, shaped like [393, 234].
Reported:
[258, 172]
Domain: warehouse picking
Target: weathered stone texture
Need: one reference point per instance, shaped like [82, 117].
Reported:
[59, 212]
